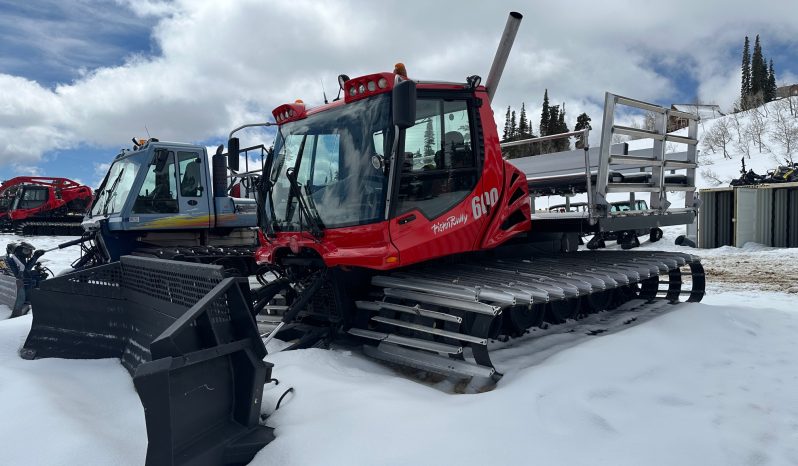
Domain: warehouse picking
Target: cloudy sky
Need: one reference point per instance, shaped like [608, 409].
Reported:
[79, 79]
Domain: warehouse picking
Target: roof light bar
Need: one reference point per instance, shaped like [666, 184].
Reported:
[289, 112]
[366, 86]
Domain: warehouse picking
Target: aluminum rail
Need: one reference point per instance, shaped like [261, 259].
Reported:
[250, 125]
[582, 132]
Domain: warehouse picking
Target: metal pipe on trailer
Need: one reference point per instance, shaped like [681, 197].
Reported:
[503, 51]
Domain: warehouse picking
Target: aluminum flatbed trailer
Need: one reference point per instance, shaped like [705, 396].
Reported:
[613, 170]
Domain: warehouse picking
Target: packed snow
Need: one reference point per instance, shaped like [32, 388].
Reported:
[711, 383]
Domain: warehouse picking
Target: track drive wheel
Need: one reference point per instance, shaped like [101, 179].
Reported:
[596, 242]
[655, 235]
[628, 240]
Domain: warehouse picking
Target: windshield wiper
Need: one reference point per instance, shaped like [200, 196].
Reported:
[110, 191]
[314, 220]
[265, 186]
[315, 224]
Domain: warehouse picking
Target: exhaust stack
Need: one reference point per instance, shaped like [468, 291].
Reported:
[505, 44]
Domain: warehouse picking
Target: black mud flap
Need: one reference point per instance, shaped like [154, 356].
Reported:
[187, 336]
[12, 294]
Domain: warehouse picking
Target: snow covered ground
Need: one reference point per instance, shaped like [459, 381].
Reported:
[714, 383]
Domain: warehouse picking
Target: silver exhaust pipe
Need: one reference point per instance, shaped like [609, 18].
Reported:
[505, 44]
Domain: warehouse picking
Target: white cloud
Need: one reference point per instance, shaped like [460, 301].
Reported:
[26, 170]
[226, 63]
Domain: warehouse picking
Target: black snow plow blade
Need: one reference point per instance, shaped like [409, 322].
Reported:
[187, 336]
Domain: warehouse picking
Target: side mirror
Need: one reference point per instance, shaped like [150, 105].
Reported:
[404, 104]
[161, 157]
[232, 154]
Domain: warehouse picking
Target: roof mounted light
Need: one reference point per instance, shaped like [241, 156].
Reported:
[342, 79]
[289, 112]
[400, 69]
[473, 82]
[369, 85]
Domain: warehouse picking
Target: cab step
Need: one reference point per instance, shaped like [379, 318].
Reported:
[427, 361]
[417, 343]
[430, 330]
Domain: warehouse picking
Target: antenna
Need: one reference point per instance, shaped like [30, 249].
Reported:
[148, 132]
[323, 92]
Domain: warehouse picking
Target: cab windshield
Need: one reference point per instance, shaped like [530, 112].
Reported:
[338, 158]
[5, 200]
[115, 188]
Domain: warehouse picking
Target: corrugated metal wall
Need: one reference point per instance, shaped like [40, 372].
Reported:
[715, 218]
[786, 215]
[766, 214]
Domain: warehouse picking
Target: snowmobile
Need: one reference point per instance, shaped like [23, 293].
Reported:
[20, 272]
[784, 174]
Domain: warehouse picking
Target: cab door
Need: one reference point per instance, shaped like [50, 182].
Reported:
[156, 207]
[439, 175]
[193, 192]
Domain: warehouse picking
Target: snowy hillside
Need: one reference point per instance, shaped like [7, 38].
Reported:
[710, 384]
[766, 137]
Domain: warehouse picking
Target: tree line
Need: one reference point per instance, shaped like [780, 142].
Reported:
[758, 84]
[552, 121]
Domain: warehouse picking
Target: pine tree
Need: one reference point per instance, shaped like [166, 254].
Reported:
[429, 140]
[745, 87]
[544, 114]
[554, 117]
[506, 124]
[758, 70]
[770, 89]
[523, 124]
[562, 127]
[582, 122]
[513, 127]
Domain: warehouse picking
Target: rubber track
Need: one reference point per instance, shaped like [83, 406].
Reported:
[49, 228]
[522, 292]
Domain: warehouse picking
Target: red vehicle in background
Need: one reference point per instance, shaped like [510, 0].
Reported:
[35, 205]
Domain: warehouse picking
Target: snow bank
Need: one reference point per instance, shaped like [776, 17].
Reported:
[66, 412]
[702, 384]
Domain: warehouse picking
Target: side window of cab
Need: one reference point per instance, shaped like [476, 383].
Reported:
[439, 168]
[158, 193]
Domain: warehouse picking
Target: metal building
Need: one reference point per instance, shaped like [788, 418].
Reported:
[765, 214]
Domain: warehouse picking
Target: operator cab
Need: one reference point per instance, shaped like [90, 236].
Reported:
[397, 164]
[31, 197]
[157, 182]
[161, 186]
[342, 155]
